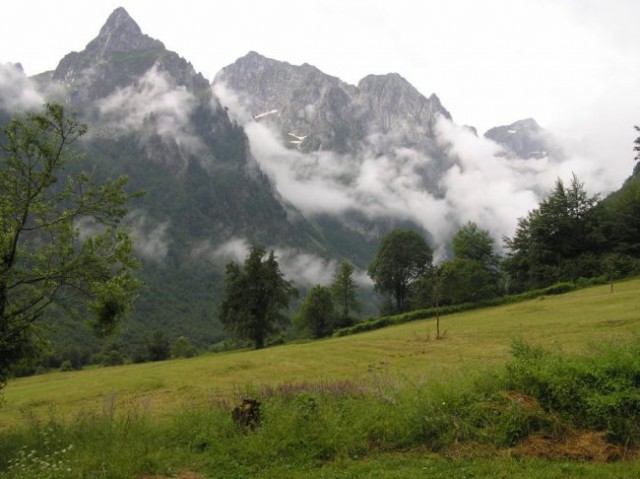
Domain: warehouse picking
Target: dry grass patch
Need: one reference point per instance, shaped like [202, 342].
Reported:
[576, 446]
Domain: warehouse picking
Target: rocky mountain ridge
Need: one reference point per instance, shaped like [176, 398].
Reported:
[383, 111]
[525, 139]
[152, 117]
[346, 164]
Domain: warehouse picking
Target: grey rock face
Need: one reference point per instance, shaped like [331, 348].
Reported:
[309, 103]
[117, 58]
[121, 34]
[525, 139]
[383, 112]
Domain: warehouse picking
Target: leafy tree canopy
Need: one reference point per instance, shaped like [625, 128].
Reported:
[59, 233]
[403, 256]
[255, 295]
[474, 243]
[550, 239]
[317, 314]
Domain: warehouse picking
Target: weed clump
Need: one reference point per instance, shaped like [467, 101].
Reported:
[599, 391]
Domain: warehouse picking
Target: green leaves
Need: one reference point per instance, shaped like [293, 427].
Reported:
[402, 258]
[344, 290]
[60, 240]
[255, 295]
[317, 314]
[552, 242]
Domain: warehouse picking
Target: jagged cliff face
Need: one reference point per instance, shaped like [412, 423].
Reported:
[400, 111]
[282, 155]
[152, 117]
[117, 57]
[381, 114]
[126, 82]
[525, 139]
[298, 99]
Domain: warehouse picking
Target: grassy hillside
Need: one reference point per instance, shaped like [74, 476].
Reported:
[473, 342]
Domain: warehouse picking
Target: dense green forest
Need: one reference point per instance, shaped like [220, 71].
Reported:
[571, 236]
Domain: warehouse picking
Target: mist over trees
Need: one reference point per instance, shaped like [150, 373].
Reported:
[571, 236]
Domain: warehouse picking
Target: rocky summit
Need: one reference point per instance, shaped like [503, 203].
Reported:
[525, 139]
[383, 112]
[362, 159]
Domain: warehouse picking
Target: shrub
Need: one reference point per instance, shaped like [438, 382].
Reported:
[183, 348]
[371, 324]
[599, 391]
[66, 366]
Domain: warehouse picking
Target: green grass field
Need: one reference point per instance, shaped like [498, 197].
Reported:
[409, 354]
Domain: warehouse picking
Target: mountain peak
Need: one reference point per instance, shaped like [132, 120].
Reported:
[526, 124]
[389, 79]
[118, 18]
[121, 34]
[253, 56]
[526, 139]
[394, 93]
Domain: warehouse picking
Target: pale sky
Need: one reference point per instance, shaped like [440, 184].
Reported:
[573, 65]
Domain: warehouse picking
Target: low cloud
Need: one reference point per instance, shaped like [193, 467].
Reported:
[151, 240]
[154, 105]
[237, 107]
[236, 249]
[476, 181]
[303, 268]
[495, 191]
[18, 93]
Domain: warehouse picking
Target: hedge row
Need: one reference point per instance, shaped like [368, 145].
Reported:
[370, 324]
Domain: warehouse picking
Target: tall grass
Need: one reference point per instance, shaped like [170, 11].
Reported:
[307, 425]
[599, 390]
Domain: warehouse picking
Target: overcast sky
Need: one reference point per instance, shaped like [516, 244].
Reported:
[573, 65]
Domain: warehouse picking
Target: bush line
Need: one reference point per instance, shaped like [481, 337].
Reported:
[371, 324]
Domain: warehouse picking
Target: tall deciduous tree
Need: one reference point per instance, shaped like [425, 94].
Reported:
[59, 233]
[317, 314]
[474, 243]
[255, 295]
[403, 256]
[472, 275]
[345, 291]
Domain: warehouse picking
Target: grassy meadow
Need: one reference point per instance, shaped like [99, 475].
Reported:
[164, 414]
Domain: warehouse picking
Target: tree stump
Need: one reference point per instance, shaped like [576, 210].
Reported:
[247, 415]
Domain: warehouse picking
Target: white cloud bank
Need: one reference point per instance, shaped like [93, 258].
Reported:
[18, 93]
[151, 240]
[479, 184]
[303, 268]
[154, 105]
